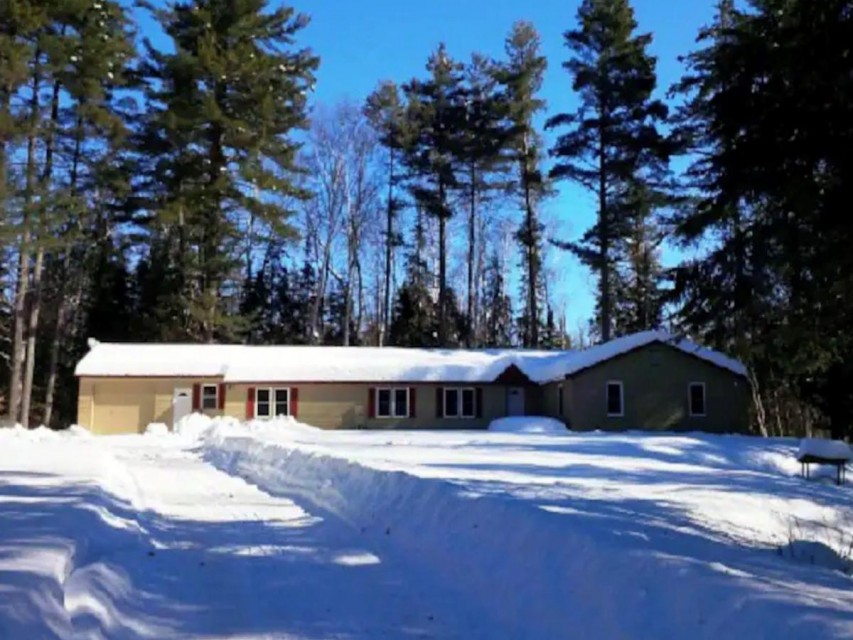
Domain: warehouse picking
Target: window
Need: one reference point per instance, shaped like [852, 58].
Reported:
[615, 400]
[392, 403]
[559, 400]
[210, 396]
[271, 402]
[460, 403]
[696, 395]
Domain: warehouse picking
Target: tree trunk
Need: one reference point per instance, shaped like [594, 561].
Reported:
[442, 272]
[62, 310]
[22, 293]
[34, 307]
[472, 249]
[35, 292]
[604, 241]
[532, 303]
[389, 250]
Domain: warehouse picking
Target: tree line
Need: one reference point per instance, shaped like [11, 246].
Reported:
[191, 190]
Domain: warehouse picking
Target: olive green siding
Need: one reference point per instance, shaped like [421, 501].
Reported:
[655, 381]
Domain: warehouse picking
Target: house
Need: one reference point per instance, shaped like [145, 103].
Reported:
[648, 380]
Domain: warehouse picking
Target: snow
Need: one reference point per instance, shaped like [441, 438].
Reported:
[157, 429]
[527, 424]
[277, 529]
[242, 363]
[821, 448]
[612, 535]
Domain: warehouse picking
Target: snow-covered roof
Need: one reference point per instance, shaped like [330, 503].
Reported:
[241, 363]
[579, 360]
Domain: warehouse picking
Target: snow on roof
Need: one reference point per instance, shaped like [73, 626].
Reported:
[126, 360]
[241, 363]
[579, 360]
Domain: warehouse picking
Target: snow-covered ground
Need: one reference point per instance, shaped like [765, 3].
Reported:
[285, 531]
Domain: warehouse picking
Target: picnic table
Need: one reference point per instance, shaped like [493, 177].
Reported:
[836, 453]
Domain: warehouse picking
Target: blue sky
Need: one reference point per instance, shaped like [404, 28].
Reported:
[363, 42]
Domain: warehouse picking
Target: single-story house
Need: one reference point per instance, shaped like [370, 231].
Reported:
[648, 380]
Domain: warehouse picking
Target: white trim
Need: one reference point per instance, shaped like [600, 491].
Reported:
[215, 397]
[392, 402]
[690, 386]
[271, 402]
[459, 403]
[621, 413]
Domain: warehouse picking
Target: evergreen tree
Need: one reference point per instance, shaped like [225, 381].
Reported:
[768, 105]
[436, 114]
[483, 164]
[218, 139]
[613, 146]
[521, 76]
[497, 307]
[387, 114]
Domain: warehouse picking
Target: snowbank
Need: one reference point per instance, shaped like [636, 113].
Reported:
[609, 535]
[821, 448]
[527, 424]
[157, 429]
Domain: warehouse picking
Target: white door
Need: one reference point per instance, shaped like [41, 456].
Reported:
[182, 404]
[515, 401]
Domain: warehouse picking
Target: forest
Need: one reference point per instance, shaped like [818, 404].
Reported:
[193, 191]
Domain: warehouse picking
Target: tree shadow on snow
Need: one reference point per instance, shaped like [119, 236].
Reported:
[75, 560]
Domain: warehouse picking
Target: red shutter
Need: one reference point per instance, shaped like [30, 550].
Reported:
[222, 397]
[478, 401]
[439, 402]
[412, 402]
[196, 397]
[371, 402]
[294, 402]
[250, 403]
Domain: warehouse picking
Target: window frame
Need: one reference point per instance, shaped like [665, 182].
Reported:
[621, 386]
[204, 397]
[272, 402]
[690, 411]
[392, 402]
[460, 412]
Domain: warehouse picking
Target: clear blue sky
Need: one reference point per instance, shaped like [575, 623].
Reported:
[362, 42]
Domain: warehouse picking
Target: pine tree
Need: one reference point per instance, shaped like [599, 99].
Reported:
[483, 138]
[436, 115]
[497, 306]
[768, 105]
[522, 75]
[218, 139]
[386, 112]
[613, 146]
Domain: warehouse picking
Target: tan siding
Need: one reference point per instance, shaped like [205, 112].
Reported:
[84, 403]
[655, 381]
[128, 405]
[344, 406]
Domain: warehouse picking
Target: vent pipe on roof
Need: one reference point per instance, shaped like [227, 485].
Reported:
[92, 342]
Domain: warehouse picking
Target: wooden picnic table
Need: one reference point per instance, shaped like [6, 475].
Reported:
[840, 465]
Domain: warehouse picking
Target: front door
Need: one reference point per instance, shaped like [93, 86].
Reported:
[182, 405]
[515, 401]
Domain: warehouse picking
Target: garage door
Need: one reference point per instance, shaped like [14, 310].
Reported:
[117, 413]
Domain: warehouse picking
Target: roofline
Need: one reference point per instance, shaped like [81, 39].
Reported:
[657, 340]
[220, 378]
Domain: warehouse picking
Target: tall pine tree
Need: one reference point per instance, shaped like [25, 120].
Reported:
[613, 145]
